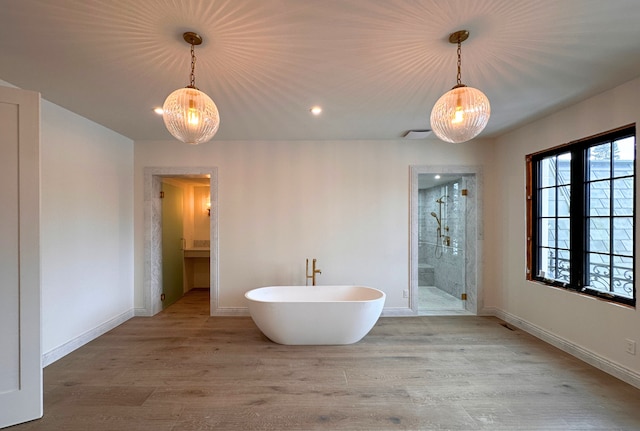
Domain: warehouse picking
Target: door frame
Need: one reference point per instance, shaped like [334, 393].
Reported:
[152, 286]
[473, 253]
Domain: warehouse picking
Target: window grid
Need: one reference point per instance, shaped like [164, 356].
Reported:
[591, 248]
[553, 251]
[605, 277]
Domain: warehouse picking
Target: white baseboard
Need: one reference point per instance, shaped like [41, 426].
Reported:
[231, 311]
[53, 355]
[244, 311]
[141, 312]
[603, 364]
[397, 312]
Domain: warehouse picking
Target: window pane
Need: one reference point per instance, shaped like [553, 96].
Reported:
[548, 202]
[623, 155]
[599, 235]
[599, 259]
[599, 272]
[623, 235]
[548, 171]
[564, 233]
[547, 233]
[623, 276]
[563, 266]
[547, 263]
[623, 196]
[564, 169]
[564, 200]
[554, 264]
[599, 162]
[599, 203]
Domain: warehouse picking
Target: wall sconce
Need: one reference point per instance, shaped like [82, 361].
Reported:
[207, 205]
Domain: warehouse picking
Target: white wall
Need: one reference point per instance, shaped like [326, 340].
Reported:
[86, 230]
[199, 217]
[588, 326]
[345, 203]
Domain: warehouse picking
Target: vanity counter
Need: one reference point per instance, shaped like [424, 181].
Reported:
[196, 252]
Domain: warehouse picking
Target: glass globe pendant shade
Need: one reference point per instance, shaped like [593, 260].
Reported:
[190, 116]
[460, 114]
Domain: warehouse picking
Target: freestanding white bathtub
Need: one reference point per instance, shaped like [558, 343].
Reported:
[317, 315]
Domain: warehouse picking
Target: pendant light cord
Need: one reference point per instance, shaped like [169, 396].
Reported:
[459, 63]
[193, 68]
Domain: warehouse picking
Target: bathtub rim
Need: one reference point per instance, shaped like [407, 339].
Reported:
[381, 295]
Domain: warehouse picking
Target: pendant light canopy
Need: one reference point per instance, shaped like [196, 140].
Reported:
[188, 113]
[462, 112]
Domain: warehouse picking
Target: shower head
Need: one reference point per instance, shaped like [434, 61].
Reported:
[436, 216]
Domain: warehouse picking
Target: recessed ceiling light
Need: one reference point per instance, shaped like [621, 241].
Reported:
[158, 110]
[437, 177]
[316, 110]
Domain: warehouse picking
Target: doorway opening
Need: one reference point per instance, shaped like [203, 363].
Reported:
[445, 221]
[192, 246]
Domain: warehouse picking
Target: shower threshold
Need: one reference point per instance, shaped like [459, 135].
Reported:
[436, 302]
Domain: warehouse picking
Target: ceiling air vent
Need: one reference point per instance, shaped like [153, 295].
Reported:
[417, 134]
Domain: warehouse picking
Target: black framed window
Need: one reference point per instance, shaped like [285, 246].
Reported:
[582, 216]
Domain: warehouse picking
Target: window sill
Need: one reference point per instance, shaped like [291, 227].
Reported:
[583, 294]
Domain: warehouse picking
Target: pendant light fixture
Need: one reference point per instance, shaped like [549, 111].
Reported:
[188, 113]
[462, 112]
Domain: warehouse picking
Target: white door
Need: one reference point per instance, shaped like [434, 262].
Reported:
[20, 352]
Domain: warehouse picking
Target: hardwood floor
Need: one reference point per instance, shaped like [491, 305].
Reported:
[185, 370]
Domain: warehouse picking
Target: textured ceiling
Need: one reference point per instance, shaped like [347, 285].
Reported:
[376, 66]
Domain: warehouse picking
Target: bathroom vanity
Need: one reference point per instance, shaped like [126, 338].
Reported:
[196, 268]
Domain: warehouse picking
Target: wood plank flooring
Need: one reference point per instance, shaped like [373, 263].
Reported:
[185, 370]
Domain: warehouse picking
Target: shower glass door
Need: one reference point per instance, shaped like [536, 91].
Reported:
[441, 247]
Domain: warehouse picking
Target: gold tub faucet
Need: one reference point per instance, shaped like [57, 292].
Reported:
[314, 271]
